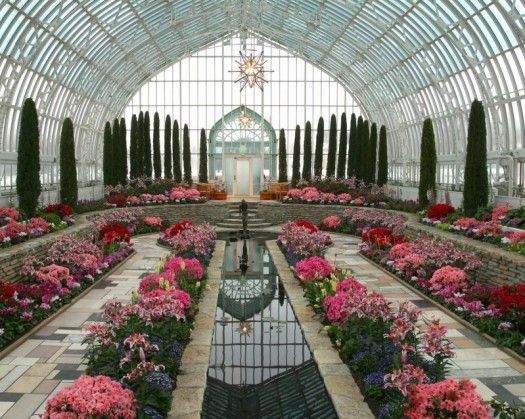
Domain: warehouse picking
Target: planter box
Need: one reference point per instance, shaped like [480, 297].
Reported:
[266, 196]
[219, 196]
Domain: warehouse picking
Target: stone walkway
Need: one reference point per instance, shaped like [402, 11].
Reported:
[51, 359]
[493, 371]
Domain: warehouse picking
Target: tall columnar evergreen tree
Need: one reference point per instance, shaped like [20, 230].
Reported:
[123, 152]
[352, 141]
[373, 154]
[365, 152]
[177, 171]
[107, 157]
[319, 144]
[68, 165]
[307, 152]
[157, 166]
[296, 162]
[357, 148]
[115, 144]
[28, 185]
[203, 162]
[140, 145]
[148, 168]
[186, 155]
[133, 147]
[341, 158]
[382, 165]
[332, 147]
[283, 167]
[476, 186]
[427, 172]
[168, 174]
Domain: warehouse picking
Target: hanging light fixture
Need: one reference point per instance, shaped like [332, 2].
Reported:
[245, 120]
[245, 328]
[251, 70]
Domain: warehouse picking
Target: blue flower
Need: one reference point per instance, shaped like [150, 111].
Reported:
[358, 357]
[375, 378]
[160, 381]
[152, 413]
[176, 351]
[386, 411]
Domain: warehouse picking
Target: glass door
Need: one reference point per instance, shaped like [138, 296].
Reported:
[242, 176]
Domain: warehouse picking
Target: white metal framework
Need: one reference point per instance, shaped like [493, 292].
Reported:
[402, 60]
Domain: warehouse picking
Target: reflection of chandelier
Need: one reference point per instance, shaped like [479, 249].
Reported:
[251, 70]
[245, 328]
[245, 120]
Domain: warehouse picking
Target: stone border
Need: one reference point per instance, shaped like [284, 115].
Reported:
[188, 396]
[341, 386]
[19, 341]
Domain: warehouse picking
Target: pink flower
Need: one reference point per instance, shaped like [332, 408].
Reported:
[10, 212]
[313, 268]
[295, 193]
[404, 378]
[186, 268]
[332, 222]
[517, 237]
[448, 280]
[344, 198]
[466, 223]
[153, 221]
[500, 211]
[26, 315]
[434, 342]
[154, 282]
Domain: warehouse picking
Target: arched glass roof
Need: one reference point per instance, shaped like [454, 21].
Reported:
[403, 60]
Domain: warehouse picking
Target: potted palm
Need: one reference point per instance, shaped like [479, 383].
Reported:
[266, 193]
[219, 190]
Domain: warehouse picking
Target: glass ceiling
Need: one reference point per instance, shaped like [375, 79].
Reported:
[403, 59]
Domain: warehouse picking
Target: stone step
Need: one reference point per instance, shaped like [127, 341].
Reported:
[239, 221]
[238, 226]
[239, 216]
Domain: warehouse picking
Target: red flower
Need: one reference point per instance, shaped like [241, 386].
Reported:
[381, 236]
[112, 233]
[177, 228]
[119, 200]
[509, 297]
[6, 291]
[306, 224]
[62, 210]
[440, 211]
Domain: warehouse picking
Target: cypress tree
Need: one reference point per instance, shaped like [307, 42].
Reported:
[28, 185]
[177, 172]
[476, 185]
[68, 165]
[157, 166]
[203, 162]
[382, 165]
[133, 147]
[427, 172]
[352, 141]
[357, 148]
[186, 155]
[296, 163]
[148, 169]
[115, 144]
[332, 147]
[318, 159]
[341, 158]
[307, 152]
[283, 169]
[140, 145]
[364, 145]
[107, 157]
[123, 152]
[168, 174]
[373, 154]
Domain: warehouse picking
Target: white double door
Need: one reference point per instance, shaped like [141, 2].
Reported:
[242, 176]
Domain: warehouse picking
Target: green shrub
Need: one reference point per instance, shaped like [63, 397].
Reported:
[68, 165]
[427, 172]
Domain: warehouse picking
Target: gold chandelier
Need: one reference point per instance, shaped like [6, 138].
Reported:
[245, 120]
[251, 70]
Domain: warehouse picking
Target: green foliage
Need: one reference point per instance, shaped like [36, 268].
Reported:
[123, 152]
[157, 166]
[283, 168]
[107, 157]
[364, 149]
[332, 147]
[296, 173]
[115, 145]
[140, 145]
[427, 175]
[28, 185]
[504, 410]
[476, 186]
[133, 147]
[177, 172]
[319, 141]
[373, 154]
[148, 169]
[68, 165]
[382, 165]
[51, 218]
[203, 162]
[341, 158]
[358, 148]
[168, 174]
[307, 152]
[352, 144]
[186, 155]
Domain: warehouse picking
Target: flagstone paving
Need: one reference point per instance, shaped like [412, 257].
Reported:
[51, 358]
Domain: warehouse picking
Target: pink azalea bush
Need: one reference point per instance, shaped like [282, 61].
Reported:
[131, 218]
[185, 267]
[300, 241]
[448, 280]
[90, 397]
[10, 213]
[153, 221]
[313, 268]
[360, 220]
[332, 222]
[196, 241]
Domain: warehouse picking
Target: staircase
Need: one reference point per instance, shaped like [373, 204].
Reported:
[233, 220]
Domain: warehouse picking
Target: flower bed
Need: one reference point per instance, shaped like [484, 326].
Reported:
[139, 345]
[14, 230]
[489, 227]
[301, 239]
[48, 283]
[357, 221]
[176, 195]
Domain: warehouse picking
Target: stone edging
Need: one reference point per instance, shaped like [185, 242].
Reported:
[343, 390]
[448, 312]
[188, 396]
[15, 344]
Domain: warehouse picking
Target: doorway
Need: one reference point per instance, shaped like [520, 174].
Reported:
[242, 176]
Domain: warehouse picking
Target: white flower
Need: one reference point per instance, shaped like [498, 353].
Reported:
[1, 332]
[7, 239]
[523, 343]
[505, 240]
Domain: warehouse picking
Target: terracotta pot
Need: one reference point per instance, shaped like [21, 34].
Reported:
[266, 196]
[219, 196]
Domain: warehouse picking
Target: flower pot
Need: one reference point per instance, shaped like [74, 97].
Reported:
[266, 196]
[219, 196]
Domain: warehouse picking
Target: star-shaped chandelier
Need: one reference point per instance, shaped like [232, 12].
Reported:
[251, 70]
[245, 120]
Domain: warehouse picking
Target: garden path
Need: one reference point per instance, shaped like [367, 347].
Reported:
[51, 358]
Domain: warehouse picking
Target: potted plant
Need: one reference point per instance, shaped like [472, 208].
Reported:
[266, 194]
[219, 190]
